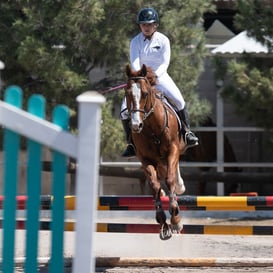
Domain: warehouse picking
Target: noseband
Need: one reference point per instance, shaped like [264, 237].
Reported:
[146, 114]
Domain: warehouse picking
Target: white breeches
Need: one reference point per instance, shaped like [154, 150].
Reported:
[165, 85]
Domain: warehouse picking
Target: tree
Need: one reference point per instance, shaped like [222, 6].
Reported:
[255, 16]
[49, 47]
[249, 81]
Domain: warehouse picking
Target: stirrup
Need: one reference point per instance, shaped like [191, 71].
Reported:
[190, 139]
[130, 151]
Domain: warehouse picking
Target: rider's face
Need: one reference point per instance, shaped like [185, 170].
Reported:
[148, 29]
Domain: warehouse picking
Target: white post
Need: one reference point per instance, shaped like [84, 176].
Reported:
[2, 67]
[220, 137]
[87, 180]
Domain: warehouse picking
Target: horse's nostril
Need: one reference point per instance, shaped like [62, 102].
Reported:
[137, 127]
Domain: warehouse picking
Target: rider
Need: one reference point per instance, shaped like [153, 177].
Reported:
[152, 48]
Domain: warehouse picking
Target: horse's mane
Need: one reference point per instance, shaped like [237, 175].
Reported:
[151, 76]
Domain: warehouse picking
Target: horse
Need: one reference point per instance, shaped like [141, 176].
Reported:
[155, 133]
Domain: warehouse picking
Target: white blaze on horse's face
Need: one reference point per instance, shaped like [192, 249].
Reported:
[136, 121]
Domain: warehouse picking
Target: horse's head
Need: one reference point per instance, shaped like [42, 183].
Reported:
[137, 96]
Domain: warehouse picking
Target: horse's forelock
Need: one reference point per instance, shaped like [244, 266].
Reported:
[135, 73]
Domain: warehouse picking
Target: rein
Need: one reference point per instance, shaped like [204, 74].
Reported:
[113, 88]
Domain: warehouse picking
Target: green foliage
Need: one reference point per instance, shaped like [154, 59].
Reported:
[249, 80]
[252, 90]
[49, 47]
[112, 132]
[255, 16]
[39, 49]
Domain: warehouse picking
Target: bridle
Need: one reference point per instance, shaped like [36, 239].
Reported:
[145, 113]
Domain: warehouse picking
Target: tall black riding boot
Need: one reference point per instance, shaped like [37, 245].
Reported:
[190, 138]
[130, 150]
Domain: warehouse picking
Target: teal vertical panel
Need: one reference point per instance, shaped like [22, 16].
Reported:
[13, 95]
[61, 118]
[36, 106]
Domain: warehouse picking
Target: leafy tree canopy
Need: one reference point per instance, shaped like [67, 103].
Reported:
[249, 79]
[255, 16]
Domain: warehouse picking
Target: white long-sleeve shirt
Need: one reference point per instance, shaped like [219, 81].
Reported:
[155, 52]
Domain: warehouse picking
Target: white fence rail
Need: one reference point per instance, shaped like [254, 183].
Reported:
[85, 149]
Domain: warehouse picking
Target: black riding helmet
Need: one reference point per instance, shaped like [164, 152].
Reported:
[147, 16]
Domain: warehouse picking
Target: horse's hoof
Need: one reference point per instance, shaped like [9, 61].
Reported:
[165, 232]
[177, 227]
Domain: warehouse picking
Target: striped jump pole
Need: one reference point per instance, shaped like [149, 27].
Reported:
[188, 202]
[146, 203]
[250, 203]
[188, 229]
[154, 228]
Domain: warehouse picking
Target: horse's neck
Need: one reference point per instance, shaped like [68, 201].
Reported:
[156, 105]
[154, 97]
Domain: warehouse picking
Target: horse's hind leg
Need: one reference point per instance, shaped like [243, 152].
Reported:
[176, 220]
[179, 187]
[171, 181]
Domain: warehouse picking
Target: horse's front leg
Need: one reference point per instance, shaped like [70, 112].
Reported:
[160, 216]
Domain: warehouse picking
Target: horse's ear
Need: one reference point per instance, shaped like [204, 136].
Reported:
[144, 70]
[128, 70]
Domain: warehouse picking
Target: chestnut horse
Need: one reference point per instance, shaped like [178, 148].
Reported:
[155, 134]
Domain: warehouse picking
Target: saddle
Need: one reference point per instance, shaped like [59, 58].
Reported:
[171, 104]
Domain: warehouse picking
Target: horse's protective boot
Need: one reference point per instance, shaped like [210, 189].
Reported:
[130, 149]
[190, 138]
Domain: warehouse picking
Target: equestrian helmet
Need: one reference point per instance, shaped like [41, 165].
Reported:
[147, 16]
